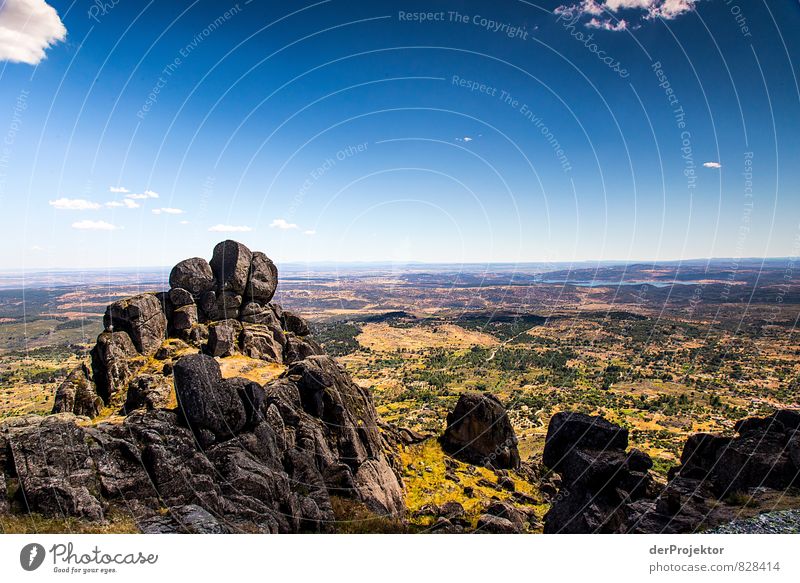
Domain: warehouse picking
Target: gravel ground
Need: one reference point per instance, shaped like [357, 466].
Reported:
[783, 522]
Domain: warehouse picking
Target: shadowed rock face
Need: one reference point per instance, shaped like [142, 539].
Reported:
[234, 456]
[479, 432]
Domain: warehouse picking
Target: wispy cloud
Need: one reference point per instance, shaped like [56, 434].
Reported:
[118, 189]
[310, 232]
[282, 224]
[143, 195]
[27, 29]
[712, 164]
[125, 202]
[605, 14]
[74, 204]
[94, 226]
[168, 211]
[230, 229]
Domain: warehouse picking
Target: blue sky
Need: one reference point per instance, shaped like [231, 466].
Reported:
[140, 133]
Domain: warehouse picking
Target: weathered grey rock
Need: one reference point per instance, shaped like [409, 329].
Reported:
[295, 324]
[188, 519]
[263, 280]
[297, 349]
[142, 317]
[184, 318]
[115, 360]
[206, 399]
[197, 335]
[193, 275]
[255, 313]
[326, 393]
[509, 512]
[479, 432]
[262, 342]
[148, 392]
[220, 305]
[231, 266]
[4, 505]
[223, 338]
[180, 297]
[490, 524]
[77, 394]
[52, 462]
[572, 431]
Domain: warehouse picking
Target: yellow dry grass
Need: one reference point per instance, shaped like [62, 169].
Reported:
[381, 337]
[253, 369]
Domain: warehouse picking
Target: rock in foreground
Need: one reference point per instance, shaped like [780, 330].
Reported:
[479, 432]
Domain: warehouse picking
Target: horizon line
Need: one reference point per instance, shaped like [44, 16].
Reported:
[7, 270]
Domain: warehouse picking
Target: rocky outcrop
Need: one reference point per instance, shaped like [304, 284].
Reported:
[142, 317]
[234, 455]
[479, 432]
[231, 267]
[264, 459]
[77, 394]
[221, 308]
[193, 275]
[605, 488]
[599, 479]
[764, 457]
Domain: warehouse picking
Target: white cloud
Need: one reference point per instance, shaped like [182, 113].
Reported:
[712, 164]
[168, 211]
[184, 222]
[230, 229]
[144, 195]
[27, 28]
[74, 204]
[94, 226]
[282, 224]
[118, 189]
[604, 13]
[607, 24]
[125, 202]
[310, 232]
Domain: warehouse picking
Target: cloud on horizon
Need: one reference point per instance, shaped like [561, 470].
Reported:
[94, 226]
[27, 29]
[230, 229]
[74, 204]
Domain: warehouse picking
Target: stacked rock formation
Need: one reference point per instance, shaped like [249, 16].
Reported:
[234, 455]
